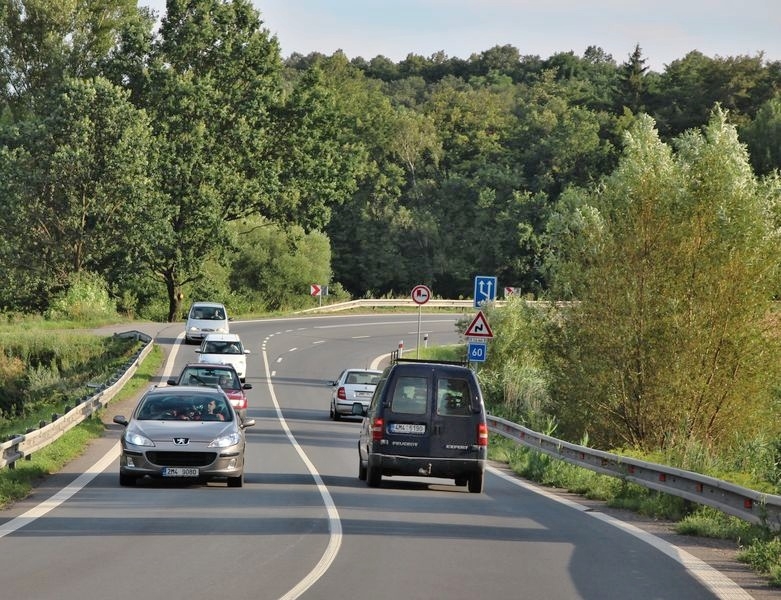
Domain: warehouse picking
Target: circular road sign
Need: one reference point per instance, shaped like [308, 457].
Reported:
[421, 294]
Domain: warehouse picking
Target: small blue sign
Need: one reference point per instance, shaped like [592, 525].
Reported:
[476, 352]
[485, 290]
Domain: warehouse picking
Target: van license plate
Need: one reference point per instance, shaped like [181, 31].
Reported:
[406, 428]
[180, 472]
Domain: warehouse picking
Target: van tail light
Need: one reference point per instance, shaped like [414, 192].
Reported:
[340, 394]
[377, 429]
[482, 434]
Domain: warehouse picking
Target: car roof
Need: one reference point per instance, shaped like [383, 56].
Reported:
[208, 365]
[184, 390]
[358, 370]
[222, 337]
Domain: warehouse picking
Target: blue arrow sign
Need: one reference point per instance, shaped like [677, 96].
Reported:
[485, 290]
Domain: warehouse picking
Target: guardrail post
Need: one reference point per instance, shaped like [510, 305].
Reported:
[401, 348]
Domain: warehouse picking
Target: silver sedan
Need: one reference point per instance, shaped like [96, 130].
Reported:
[352, 387]
[183, 432]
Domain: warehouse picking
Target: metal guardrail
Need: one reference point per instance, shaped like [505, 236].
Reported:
[22, 446]
[749, 505]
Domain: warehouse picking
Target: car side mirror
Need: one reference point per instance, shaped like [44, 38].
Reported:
[247, 386]
[247, 423]
[120, 420]
[171, 382]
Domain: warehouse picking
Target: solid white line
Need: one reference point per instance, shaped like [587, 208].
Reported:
[64, 494]
[718, 583]
[82, 480]
[334, 522]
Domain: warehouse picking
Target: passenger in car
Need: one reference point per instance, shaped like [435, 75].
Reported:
[211, 413]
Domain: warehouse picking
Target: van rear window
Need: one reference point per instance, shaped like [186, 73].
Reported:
[453, 397]
[410, 395]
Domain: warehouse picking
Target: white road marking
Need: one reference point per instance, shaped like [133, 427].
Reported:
[718, 583]
[334, 522]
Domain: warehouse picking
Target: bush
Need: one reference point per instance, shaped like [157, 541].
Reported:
[86, 299]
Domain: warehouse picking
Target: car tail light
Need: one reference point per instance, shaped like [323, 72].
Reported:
[377, 429]
[340, 393]
[482, 434]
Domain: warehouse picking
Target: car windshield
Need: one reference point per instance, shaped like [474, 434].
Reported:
[215, 347]
[225, 378]
[207, 313]
[193, 407]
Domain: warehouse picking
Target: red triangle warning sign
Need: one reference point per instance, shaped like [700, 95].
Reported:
[479, 327]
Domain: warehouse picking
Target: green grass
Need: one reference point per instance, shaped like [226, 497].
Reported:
[16, 484]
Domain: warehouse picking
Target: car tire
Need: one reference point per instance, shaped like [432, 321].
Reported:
[335, 416]
[127, 480]
[373, 476]
[361, 469]
[476, 482]
[462, 481]
[236, 481]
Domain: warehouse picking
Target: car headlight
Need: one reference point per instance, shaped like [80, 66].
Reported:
[136, 439]
[226, 440]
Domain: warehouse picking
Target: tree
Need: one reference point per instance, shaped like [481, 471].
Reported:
[231, 142]
[669, 341]
[45, 41]
[762, 135]
[74, 190]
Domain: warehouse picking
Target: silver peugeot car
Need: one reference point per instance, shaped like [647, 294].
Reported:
[183, 432]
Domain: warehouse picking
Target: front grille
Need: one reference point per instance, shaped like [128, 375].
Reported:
[181, 459]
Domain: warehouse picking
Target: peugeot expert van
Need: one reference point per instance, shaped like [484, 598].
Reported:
[425, 419]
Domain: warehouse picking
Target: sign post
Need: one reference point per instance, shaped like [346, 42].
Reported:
[420, 295]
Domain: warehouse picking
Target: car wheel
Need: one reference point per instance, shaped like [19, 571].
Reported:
[461, 481]
[361, 469]
[335, 416]
[373, 476]
[476, 482]
[236, 481]
[127, 480]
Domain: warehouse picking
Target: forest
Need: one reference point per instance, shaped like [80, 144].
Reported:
[191, 160]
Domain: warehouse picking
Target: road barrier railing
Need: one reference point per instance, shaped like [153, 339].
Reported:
[22, 446]
[746, 504]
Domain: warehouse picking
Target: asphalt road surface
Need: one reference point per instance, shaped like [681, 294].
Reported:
[304, 526]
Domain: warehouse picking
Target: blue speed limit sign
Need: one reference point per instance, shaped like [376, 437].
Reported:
[476, 352]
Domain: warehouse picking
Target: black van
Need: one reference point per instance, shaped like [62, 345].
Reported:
[426, 418]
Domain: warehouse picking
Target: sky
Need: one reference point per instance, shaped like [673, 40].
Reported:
[666, 30]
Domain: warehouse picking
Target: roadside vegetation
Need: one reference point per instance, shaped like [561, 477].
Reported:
[16, 484]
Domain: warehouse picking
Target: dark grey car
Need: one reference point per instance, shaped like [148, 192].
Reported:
[427, 419]
[183, 432]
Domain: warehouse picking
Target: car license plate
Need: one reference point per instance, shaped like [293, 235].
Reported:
[406, 428]
[360, 394]
[180, 472]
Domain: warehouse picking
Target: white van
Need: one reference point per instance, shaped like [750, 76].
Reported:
[224, 348]
[205, 318]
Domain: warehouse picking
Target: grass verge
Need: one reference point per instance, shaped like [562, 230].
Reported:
[16, 484]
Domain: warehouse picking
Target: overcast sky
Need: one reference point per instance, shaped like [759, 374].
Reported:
[665, 29]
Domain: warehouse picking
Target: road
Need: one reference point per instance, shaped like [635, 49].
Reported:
[304, 526]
